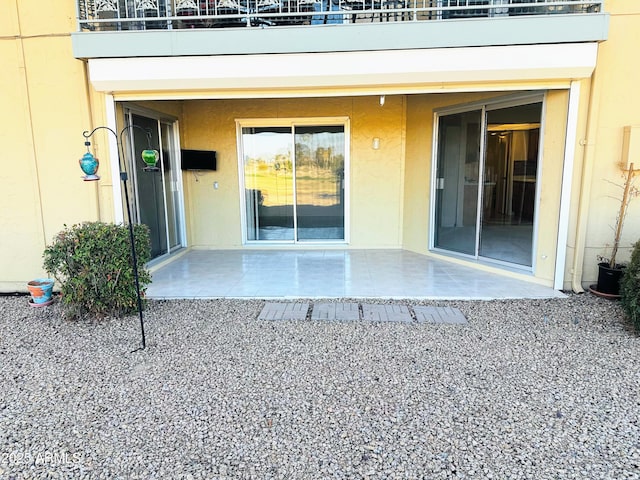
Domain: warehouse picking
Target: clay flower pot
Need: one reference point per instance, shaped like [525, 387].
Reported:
[41, 290]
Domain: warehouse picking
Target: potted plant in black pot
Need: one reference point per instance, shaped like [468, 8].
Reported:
[610, 271]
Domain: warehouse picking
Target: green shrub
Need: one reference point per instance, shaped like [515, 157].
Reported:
[92, 263]
[630, 287]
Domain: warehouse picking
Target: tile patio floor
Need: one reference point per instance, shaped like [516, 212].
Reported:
[331, 274]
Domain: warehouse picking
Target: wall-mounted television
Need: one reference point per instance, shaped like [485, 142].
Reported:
[198, 159]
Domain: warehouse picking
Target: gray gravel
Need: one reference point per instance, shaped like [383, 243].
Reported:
[540, 389]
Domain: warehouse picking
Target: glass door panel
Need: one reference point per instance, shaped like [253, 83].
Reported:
[510, 179]
[170, 186]
[149, 186]
[268, 181]
[458, 171]
[319, 167]
[156, 195]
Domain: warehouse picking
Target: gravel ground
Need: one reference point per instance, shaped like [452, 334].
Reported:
[540, 389]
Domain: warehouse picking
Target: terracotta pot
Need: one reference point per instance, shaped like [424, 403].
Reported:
[41, 290]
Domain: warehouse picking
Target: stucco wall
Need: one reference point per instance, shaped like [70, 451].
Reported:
[376, 176]
[615, 104]
[389, 187]
[45, 110]
[47, 104]
[553, 135]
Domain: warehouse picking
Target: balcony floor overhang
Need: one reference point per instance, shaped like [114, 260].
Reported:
[294, 273]
[342, 73]
[354, 37]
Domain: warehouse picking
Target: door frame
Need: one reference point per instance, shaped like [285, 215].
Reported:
[485, 105]
[159, 117]
[292, 122]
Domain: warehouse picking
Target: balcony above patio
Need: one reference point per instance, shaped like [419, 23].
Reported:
[161, 28]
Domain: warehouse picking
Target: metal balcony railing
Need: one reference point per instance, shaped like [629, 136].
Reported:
[109, 15]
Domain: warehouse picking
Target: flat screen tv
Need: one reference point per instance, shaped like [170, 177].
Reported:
[198, 159]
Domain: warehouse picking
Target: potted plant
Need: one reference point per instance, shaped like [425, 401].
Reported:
[41, 290]
[609, 270]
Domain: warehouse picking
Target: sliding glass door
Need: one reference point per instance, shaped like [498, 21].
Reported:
[319, 165]
[486, 182]
[457, 182]
[510, 179]
[293, 178]
[156, 194]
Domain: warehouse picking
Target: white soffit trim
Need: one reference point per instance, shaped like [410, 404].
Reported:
[346, 69]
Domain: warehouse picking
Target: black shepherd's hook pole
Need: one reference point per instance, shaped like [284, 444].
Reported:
[124, 177]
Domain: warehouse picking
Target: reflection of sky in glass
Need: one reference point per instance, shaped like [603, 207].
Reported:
[323, 140]
[318, 166]
[266, 145]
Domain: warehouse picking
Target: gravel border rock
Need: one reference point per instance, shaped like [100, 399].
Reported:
[540, 389]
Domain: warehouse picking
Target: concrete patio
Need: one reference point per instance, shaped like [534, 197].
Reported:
[331, 274]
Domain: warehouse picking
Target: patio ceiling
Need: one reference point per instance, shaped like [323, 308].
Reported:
[359, 72]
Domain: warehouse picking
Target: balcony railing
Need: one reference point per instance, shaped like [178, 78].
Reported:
[109, 15]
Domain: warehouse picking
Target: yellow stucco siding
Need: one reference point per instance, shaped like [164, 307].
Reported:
[9, 24]
[615, 86]
[375, 175]
[48, 102]
[44, 113]
[59, 115]
[552, 163]
[43, 18]
[20, 213]
[417, 184]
